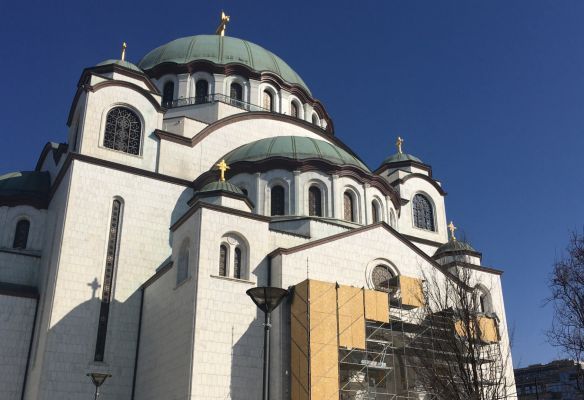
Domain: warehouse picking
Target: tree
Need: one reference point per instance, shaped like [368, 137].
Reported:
[567, 297]
[468, 360]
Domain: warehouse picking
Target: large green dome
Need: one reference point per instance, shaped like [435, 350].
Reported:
[221, 50]
[293, 147]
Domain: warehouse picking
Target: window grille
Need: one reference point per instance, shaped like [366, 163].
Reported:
[237, 264]
[268, 101]
[223, 260]
[293, 110]
[21, 234]
[201, 91]
[277, 200]
[423, 213]
[314, 201]
[380, 277]
[349, 209]
[167, 94]
[123, 131]
[236, 92]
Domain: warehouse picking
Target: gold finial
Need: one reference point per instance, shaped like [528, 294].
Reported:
[224, 20]
[399, 143]
[222, 168]
[452, 228]
[124, 47]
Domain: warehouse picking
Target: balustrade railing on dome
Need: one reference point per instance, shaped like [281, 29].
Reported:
[213, 98]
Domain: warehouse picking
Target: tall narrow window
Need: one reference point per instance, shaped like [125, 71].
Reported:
[110, 265]
[375, 211]
[123, 130]
[223, 260]
[201, 91]
[294, 109]
[236, 92]
[268, 101]
[314, 119]
[314, 201]
[423, 213]
[21, 234]
[237, 263]
[348, 207]
[277, 200]
[168, 94]
[482, 301]
[392, 219]
[182, 271]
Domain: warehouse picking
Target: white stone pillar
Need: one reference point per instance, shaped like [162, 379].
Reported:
[183, 86]
[297, 207]
[334, 197]
[258, 197]
[365, 213]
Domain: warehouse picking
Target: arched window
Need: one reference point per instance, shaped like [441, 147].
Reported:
[236, 92]
[277, 200]
[423, 213]
[223, 260]
[294, 109]
[375, 211]
[201, 91]
[348, 207]
[123, 130]
[315, 119]
[21, 234]
[268, 101]
[168, 94]
[182, 270]
[314, 201]
[381, 277]
[237, 263]
[484, 302]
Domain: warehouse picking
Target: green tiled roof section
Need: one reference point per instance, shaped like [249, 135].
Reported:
[125, 64]
[454, 246]
[397, 157]
[30, 183]
[293, 147]
[221, 50]
[222, 186]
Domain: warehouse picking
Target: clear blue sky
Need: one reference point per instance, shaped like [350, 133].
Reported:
[490, 93]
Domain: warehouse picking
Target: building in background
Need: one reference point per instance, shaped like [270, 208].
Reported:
[562, 379]
[125, 251]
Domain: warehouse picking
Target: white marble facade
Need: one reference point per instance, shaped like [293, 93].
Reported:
[177, 326]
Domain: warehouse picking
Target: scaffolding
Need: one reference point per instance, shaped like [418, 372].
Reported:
[352, 343]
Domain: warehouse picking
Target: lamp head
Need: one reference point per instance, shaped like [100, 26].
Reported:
[98, 378]
[267, 298]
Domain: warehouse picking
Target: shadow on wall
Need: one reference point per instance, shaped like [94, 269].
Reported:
[180, 208]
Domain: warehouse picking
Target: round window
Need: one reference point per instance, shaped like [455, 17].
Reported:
[380, 276]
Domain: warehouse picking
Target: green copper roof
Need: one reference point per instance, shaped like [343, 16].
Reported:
[222, 186]
[454, 246]
[397, 157]
[121, 63]
[26, 183]
[296, 148]
[221, 50]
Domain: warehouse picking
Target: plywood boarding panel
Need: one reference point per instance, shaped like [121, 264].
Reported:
[412, 293]
[299, 325]
[324, 354]
[351, 317]
[376, 306]
[488, 328]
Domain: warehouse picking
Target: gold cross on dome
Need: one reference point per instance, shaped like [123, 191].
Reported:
[452, 228]
[124, 47]
[224, 20]
[222, 168]
[399, 143]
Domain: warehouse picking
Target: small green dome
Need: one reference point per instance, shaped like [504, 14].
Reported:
[454, 246]
[27, 183]
[125, 64]
[398, 157]
[222, 186]
[221, 50]
[296, 148]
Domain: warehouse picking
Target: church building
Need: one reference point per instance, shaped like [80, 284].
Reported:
[206, 169]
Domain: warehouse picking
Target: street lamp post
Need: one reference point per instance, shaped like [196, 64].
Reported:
[98, 379]
[267, 299]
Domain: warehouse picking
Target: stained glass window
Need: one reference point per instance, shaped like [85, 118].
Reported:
[110, 264]
[277, 200]
[268, 102]
[423, 213]
[122, 131]
[349, 209]
[381, 277]
[21, 234]
[223, 260]
[168, 94]
[201, 91]
[314, 201]
[237, 263]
